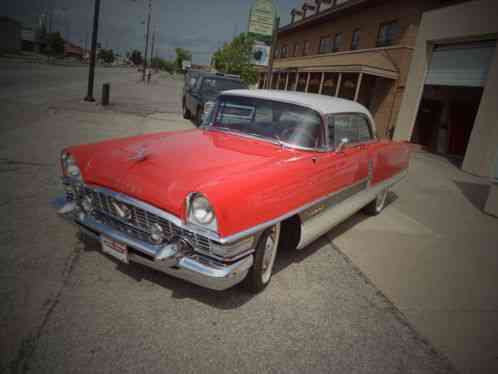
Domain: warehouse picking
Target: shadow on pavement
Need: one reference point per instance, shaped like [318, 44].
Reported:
[476, 193]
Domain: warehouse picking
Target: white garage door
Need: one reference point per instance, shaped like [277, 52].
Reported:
[461, 64]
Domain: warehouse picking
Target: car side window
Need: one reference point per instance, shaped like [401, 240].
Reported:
[364, 131]
[353, 127]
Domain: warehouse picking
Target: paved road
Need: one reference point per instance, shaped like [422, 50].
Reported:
[66, 307]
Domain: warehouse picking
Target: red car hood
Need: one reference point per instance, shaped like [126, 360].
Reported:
[163, 168]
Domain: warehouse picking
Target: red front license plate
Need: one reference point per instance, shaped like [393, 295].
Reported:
[114, 249]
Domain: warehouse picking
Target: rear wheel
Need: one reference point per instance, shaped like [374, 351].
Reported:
[259, 275]
[186, 112]
[376, 206]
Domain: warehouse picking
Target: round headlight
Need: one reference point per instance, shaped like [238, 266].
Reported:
[156, 233]
[87, 204]
[201, 210]
[69, 166]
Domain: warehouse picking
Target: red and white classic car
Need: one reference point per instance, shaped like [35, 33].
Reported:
[267, 170]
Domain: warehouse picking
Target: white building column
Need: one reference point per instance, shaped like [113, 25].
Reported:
[339, 82]
[321, 83]
[307, 82]
[358, 85]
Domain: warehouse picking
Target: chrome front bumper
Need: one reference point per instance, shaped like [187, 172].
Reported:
[169, 258]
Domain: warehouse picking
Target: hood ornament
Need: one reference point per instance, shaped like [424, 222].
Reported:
[140, 155]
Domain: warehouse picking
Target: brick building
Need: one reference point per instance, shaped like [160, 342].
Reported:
[355, 49]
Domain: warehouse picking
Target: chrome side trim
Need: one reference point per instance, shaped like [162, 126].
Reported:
[337, 212]
[264, 225]
[333, 200]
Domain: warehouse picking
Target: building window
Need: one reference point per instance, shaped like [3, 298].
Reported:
[314, 83]
[291, 84]
[296, 50]
[301, 82]
[348, 86]
[276, 54]
[282, 81]
[325, 44]
[355, 40]
[388, 32]
[330, 84]
[306, 48]
[337, 42]
[283, 53]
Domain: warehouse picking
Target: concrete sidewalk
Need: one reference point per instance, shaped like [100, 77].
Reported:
[434, 254]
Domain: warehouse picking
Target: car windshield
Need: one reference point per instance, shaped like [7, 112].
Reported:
[220, 84]
[276, 121]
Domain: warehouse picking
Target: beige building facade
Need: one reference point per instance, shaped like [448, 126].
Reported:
[457, 32]
[355, 49]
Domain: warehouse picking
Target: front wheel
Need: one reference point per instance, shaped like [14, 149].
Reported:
[376, 206]
[259, 275]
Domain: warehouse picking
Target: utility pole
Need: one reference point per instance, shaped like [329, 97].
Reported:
[153, 44]
[147, 40]
[272, 52]
[91, 72]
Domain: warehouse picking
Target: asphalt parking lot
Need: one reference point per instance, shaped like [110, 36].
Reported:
[69, 308]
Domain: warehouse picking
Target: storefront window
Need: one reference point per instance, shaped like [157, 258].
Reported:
[283, 78]
[292, 82]
[301, 82]
[366, 93]
[314, 84]
[330, 84]
[274, 81]
[348, 85]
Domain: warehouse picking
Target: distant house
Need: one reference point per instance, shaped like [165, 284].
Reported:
[73, 50]
[10, 35]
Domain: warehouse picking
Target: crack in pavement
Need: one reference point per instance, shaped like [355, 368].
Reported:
[20, 364]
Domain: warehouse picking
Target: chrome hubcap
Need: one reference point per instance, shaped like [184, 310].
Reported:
[270, 248]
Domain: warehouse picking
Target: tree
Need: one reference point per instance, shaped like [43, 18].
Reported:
[182, 55]
[136, 57]
[106, 55]
[55, 43]
[165, 65]
[235, 58]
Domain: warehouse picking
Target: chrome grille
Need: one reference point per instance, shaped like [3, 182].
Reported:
[141, 220]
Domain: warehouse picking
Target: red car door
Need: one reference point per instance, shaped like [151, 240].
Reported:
[344, 169]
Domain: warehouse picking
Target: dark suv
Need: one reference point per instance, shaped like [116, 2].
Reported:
[201, 89]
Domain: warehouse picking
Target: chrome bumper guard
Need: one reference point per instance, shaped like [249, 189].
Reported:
[172, 258]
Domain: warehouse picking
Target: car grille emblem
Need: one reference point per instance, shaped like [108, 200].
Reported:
[123, 211]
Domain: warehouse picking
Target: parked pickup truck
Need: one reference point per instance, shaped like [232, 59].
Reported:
[202, 88]
[267, 171]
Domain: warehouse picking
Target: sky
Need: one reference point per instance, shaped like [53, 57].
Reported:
[201, 26]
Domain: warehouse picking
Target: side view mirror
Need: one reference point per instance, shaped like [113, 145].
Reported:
[342, 144]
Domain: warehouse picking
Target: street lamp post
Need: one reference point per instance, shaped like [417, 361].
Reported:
[91, 72]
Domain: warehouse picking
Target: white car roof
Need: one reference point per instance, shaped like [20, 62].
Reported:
[321, 103]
